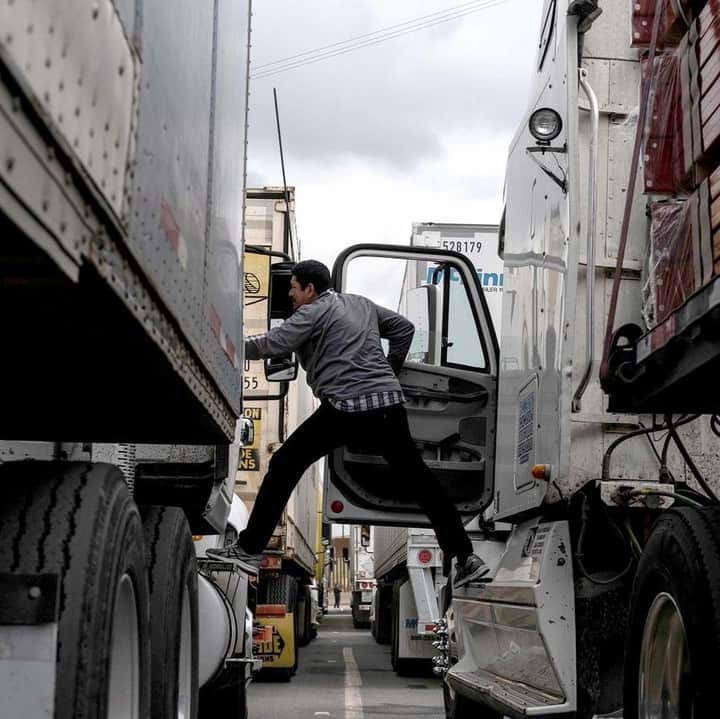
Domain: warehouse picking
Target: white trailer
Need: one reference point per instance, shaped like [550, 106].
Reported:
[408, 572]
[122, 137]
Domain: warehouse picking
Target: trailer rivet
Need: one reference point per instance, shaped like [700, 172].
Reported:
[34, 592]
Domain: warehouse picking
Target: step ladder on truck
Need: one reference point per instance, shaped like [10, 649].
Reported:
[121, 302]
[583, 438]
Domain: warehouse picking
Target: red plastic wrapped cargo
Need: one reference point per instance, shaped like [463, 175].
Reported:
[673, 26]
[671, 273]
[664, 151]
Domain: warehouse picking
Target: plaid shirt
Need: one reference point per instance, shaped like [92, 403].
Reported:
[367, 402]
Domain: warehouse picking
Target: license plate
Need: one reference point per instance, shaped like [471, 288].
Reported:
[364, 607]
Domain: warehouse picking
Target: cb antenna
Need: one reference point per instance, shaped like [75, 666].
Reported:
[282, 164]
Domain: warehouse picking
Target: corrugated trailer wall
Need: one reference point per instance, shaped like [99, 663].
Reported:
[390, 545]
[142, 158]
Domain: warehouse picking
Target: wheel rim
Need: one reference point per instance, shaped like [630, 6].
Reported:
[664, 681]
[185, 659]
[124, 684]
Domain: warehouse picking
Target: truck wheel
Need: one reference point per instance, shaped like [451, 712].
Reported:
[674, 633]
[225, 696]
[303, 614]
[174, 613]
[383, 614]
[402, 667]
[79, 521]
[459, 707]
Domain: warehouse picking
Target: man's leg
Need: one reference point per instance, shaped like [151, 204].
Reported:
[404, 458]
[313, 439]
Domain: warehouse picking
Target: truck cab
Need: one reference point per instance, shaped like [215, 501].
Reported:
[573, 495]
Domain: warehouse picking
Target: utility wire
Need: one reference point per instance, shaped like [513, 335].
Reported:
[369, 34]
[357, 46]
[327, 55]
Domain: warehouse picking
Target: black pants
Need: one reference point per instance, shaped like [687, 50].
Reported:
[325, 430]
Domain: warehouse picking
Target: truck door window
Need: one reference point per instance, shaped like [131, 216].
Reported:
[434, 298]
[463, 347]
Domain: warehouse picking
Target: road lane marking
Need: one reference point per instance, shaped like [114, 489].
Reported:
[353, 682]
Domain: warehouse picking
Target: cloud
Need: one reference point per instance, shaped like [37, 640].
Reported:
[391, 104]
[415, 129]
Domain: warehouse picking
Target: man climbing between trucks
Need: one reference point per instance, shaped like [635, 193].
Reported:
[337, 338]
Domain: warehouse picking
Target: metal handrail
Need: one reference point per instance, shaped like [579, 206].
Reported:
[591, 236]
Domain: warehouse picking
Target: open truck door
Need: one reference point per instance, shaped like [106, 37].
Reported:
[450, 382]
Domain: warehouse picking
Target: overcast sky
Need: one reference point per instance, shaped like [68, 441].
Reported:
[413, 129]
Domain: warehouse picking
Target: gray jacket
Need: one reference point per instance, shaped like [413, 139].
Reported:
[337, 338]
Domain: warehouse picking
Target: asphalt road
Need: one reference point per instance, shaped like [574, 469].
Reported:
[344, 674]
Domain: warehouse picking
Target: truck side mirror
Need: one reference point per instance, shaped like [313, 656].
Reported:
[279, 306]
[281, 369]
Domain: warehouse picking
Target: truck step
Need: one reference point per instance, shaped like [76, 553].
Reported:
[500, 693]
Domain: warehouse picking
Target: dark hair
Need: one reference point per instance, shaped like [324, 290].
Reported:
[313, 271]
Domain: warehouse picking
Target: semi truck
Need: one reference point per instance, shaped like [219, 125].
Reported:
[408, 571]
[122, 138]
[408, 561]
[362, 578]
[581, 440]
[287, 572]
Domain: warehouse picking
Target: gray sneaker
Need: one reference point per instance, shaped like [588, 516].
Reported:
[473, 569]
[237, 555]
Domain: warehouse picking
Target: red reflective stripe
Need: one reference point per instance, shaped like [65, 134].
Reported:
[215, 321]
[171, 228]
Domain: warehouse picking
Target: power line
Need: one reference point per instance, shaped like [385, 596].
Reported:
[367, 35]
[327, 55]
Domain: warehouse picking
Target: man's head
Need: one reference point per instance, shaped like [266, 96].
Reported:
[310, 278]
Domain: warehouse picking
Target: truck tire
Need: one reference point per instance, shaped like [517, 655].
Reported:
[174, 613]
[674, 633]
[225, 696]
[383, 613]
[79, 521]
[402, 667]
[304, 605]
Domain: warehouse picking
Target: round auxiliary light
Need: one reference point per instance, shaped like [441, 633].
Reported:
[337, 506]
[545, 124]
[424, 556]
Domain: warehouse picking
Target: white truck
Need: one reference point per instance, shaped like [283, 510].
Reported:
[122, 146]
[579, 441]
[287, 573]
[408, 562]
[362, 578]
[408, 572]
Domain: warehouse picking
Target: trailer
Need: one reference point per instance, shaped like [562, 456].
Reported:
[122, 138]
[408, 572]
[287, 573]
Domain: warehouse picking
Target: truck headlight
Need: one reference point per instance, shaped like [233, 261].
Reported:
[545, 124]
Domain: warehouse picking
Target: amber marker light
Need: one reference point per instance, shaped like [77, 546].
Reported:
[541, 471]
